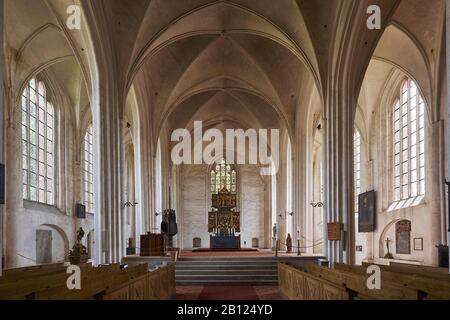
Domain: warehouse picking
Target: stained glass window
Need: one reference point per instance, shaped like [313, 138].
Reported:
[223, 176]
[38, 178]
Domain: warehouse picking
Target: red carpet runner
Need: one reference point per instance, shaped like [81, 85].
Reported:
[228, 293]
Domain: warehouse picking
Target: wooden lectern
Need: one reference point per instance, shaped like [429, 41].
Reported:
[152, 244]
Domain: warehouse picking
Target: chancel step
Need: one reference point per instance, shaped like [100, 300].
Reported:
[218, 270]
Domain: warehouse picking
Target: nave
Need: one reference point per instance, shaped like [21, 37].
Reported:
[166, 145]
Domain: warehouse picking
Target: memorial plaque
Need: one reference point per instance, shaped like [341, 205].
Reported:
[43, 246]
[334, 231]
[367, 213]
[403, 237]
[197, 243]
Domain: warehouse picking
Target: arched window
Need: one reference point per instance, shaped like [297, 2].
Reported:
[409, 143]
[357, 167]
[38, 177]
[88, 170]
[223, 176]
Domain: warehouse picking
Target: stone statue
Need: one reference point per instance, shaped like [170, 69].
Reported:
[79, 253]
[80, 235]
[289, 243]
[274, 231]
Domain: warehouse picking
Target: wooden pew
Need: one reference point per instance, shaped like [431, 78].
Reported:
[93, 283]
[20, 287]
[105, 282]
[134, 283]
[434, 286]
[394, 286]
[155, 285]
[424, 271]
[431, 272]
[21, 274]
[10, 272]
[298, 285]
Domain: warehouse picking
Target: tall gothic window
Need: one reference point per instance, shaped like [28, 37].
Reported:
[409, 143]
[88, 170]
[38, 177]
[223, 176]
[357, 166]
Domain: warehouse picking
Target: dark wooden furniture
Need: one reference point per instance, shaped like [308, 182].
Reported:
[152, 244]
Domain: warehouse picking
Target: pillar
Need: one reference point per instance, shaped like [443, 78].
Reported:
[339, 173]
[282, 194]
[2, 140]
[448, 103]
[108, 163]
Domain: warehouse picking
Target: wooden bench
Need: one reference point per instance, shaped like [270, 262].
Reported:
[355, 280]
[93, 283]
[155, 285]
[21, 287]
[398, 282]
[12, 275]
[430, 282]
[9, 272]
[135, 283]
[426, 271]
[298, 285]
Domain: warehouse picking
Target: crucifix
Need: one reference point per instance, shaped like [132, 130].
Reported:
[388, 255]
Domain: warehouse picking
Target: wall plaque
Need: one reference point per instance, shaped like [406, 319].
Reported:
[418, 244]
[334, 231]
[367, 213]
[403, 237]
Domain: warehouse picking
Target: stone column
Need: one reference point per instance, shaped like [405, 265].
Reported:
[448, 102]
[143, 178]
[2, 113]
[267, 213]
[281, 197]
[339, 172]
[108, 180]
[299, 183]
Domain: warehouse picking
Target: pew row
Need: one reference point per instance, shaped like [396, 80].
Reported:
[395, 284]
[156, 285]
[298, 285]
[424, 271]
[101, 283]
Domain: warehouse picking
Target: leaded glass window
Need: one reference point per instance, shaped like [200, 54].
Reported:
[38, 177]
[409, 143]
[88, 170]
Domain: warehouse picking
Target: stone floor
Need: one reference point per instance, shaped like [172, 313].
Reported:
[228, 293]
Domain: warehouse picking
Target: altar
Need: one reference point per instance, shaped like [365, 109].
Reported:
[225, 242]
[224, 222]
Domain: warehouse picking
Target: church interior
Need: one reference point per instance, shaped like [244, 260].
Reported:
[96, 92]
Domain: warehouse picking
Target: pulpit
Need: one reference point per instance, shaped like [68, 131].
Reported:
[224, 222]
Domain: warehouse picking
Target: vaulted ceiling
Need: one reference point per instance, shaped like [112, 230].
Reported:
[243, 61]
